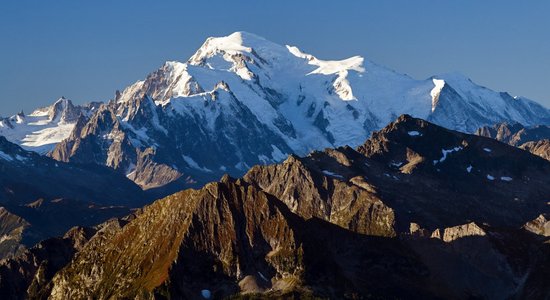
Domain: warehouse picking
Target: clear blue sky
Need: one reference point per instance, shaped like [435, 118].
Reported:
[85, 50]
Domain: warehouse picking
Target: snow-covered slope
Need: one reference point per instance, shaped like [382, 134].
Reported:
[45, 127]
[242, 100]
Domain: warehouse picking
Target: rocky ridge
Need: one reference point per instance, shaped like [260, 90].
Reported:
[401, 216]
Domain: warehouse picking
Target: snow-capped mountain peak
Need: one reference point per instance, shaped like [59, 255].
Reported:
[241, 100]
[42, 129]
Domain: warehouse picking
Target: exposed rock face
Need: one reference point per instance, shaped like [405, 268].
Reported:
[540, 226]
[540, 148]
[28, 275]
[535, 139]
[461, 171]
[303, 185]
[461, 231]
[11, 233]
[227, 236]
[515, 134]
[444, 173]
[230, 238]
[234, 227]
[333, 225]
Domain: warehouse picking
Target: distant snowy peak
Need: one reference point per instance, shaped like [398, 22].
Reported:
[230, 45]
[466, 104]
[235, 45]
[42, 129]
[242, 100]
[307, 100]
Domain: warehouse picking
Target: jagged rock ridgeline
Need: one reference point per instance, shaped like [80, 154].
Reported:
[417, 211]
[535, 139]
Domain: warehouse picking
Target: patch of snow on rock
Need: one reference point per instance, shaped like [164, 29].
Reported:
[396, 164]
[193, 164]
[329, 173]
[445, 152]
[5, 156]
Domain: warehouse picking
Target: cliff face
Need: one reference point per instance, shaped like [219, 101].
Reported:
[217, 235]
[11, 233]
[304, 186]
[540, 148]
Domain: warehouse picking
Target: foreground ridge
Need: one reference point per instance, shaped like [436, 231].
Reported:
[417, 211]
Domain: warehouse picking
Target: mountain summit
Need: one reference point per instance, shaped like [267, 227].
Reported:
[242, 100]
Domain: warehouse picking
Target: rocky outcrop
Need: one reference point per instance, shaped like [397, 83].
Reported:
[11, 233]
[313, 192]
[540, 148]
[515, 134]
[28, 275]
[540, 226]
[461, 231]
[535, 139]
[444, 173]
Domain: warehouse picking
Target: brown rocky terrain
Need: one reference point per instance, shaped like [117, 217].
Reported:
[534, 139]
[540, 148]
[426, 174]
[417, 212]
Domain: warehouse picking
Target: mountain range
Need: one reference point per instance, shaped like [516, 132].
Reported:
[416, 211]
[278, 175]
[242, 100]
